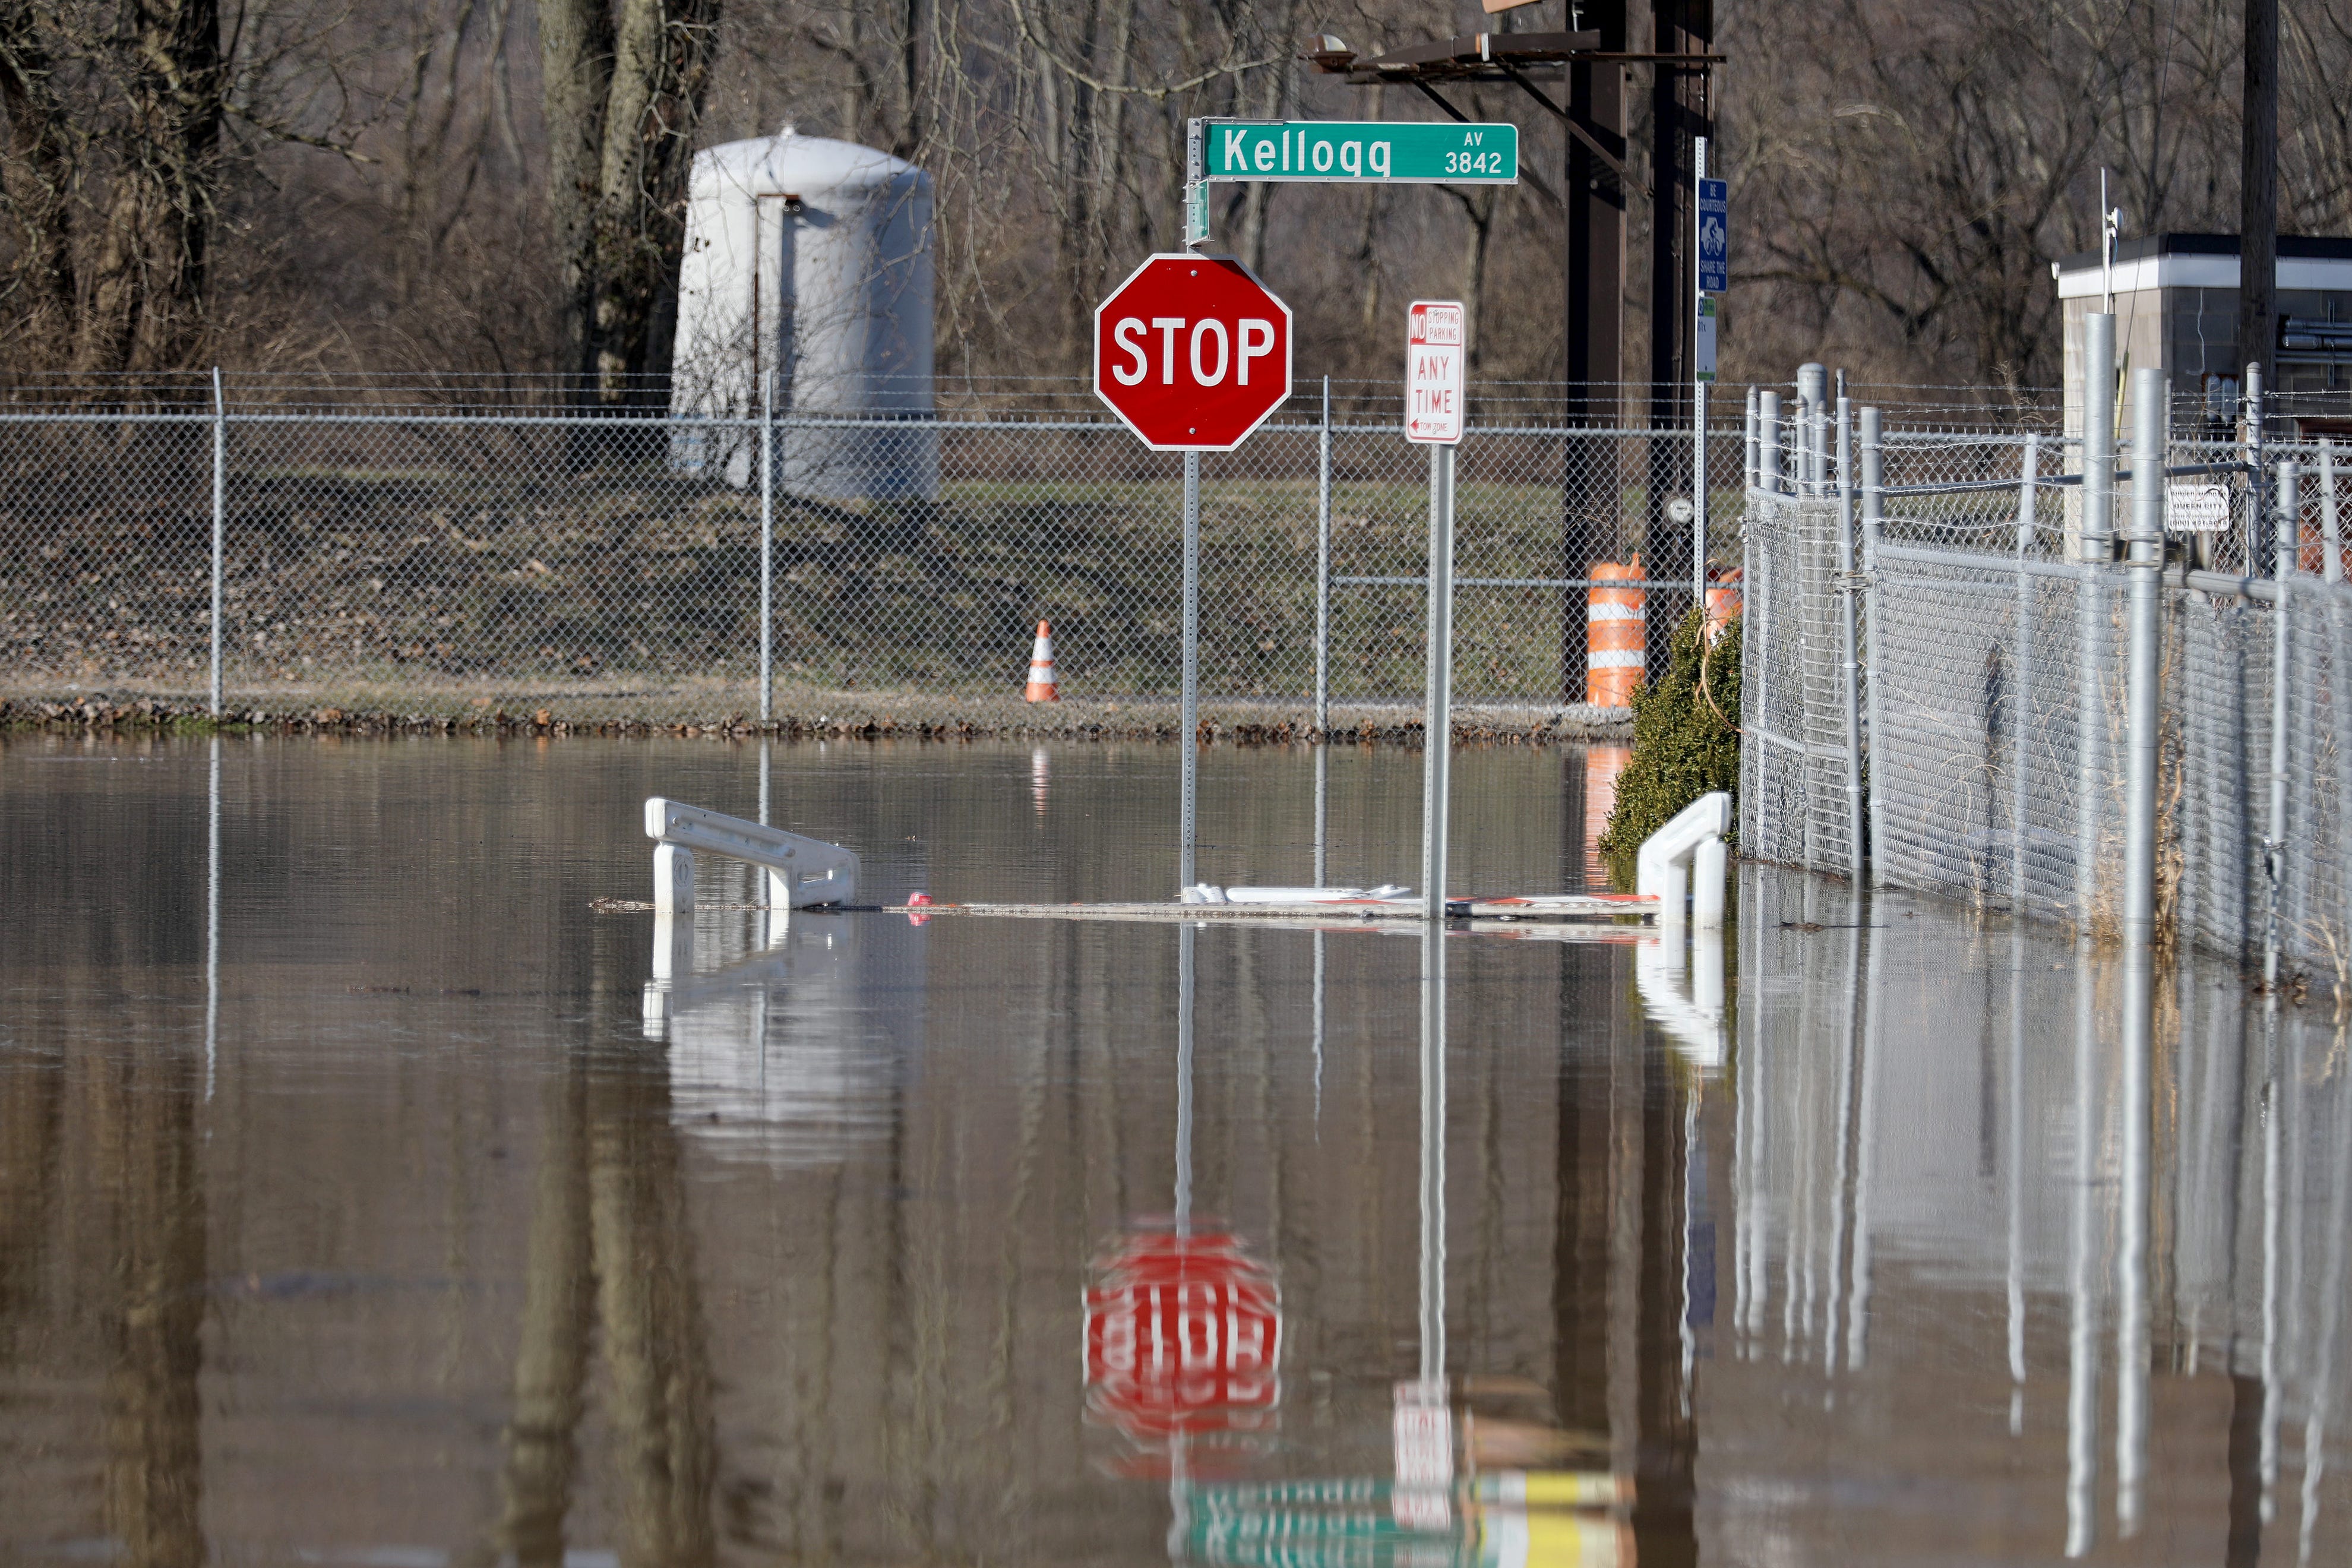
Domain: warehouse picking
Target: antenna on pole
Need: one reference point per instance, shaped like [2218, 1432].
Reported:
[2111, 223]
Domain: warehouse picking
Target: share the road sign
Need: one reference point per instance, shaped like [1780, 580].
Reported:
[1714, 237]
[1193, 353]
[1376, 150]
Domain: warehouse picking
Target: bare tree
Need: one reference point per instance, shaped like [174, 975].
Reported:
[623, 88]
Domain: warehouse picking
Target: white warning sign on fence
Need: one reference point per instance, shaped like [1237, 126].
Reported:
[2196, 508]
[1433, 372]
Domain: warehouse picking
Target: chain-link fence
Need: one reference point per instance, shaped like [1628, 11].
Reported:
[1991, 682]
[388, 557]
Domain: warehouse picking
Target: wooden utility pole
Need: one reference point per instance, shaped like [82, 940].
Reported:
[2258, 195]
[1678, 112]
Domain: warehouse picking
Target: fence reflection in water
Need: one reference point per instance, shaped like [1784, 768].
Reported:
[1886, 1162]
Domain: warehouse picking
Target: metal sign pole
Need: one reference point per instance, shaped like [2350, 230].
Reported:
[1702, 373]
[1437, 738]
[768, 551]
[1432, 1144]
[1190, 724]
[1196, 234]
[220, 525]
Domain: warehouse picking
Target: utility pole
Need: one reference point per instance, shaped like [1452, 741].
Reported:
[2258, 193]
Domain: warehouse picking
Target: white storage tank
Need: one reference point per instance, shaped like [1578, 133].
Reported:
[810, 259]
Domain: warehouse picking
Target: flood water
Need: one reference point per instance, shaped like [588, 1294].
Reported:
[365, 1199]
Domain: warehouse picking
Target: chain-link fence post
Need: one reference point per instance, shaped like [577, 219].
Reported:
[1748, 449]
[1323, 576]
[2147, 402]
[1850, 692]
[220, 526]
[2020, 714]
[1767, 442]
[1874, 512]
[2288, 530]
[768, 547]
[2258, 522]
[1699, 500]
[2331, 566]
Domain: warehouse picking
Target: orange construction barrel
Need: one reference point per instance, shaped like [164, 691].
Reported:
[1612, 635]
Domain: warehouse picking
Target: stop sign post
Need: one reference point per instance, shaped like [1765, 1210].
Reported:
[1192, 354]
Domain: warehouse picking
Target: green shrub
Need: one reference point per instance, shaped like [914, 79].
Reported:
[1686, 739]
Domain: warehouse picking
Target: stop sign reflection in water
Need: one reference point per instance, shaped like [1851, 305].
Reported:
[1183, 1336]
[1193, 353]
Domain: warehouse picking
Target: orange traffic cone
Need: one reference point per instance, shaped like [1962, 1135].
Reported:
[1042, 686]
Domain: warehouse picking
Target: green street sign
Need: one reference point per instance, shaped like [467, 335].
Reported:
[1378, 151]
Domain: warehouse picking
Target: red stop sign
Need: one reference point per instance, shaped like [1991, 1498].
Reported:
[1192, 352]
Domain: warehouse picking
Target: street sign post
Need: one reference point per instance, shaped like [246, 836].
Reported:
[1711, 241]
[1375, 152]
[1433, 355]
[1192, 354]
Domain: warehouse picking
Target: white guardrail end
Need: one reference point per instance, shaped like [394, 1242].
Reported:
[1684, 861]
[801, 872]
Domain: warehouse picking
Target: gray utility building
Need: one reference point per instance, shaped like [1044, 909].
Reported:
[2176, 303]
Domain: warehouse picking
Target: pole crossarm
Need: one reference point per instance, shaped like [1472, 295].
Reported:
[1578, 126]
[1483, 56]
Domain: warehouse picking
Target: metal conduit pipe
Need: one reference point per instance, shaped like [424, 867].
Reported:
[2146, 561]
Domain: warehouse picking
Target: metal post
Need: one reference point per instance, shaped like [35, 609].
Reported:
[2146, 558]
[2258, 545]
[1190, 723]
[2146, 561]
[2097, 537]
[220, 525]
[2331, 533]
[1699, 498]
[2096, 544]
[1322, 813]
[768, 549]
[2082, 1287]
[1185, 935]
[2287, 532]
[1767, 442]
[1437, 733]
[1323, 572]
[2020, 708]
[1873, 507]
[212, 918]
[1433, 1149]
[2132, 1359]
[1812, 430]
[1749, 434]
[1850, 682]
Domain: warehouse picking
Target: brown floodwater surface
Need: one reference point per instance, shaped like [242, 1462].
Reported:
[366, 1199]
